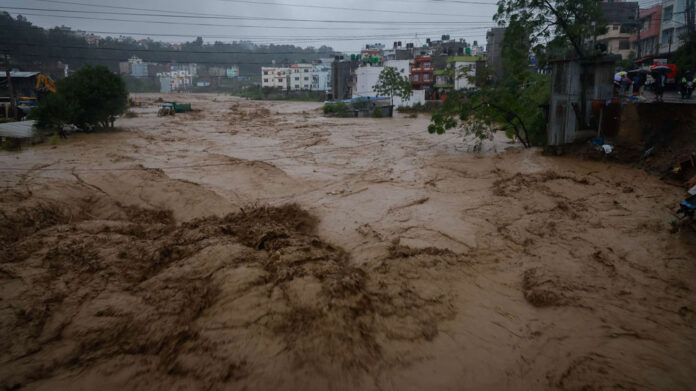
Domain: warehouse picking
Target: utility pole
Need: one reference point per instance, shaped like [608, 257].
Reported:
[10, 86]
[691, 20]
[639, 23]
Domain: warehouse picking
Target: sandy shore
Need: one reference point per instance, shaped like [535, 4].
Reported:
[259, 245]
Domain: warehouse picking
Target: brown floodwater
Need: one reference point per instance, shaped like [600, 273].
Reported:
[260, 245]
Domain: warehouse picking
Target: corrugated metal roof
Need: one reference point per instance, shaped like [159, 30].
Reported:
[19, 74]
[465, 59]
[21, 129]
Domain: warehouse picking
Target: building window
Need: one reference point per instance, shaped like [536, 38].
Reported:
[306, 70]
[646, 24]
[426, 77]
[624, 44]
[297, 87]
[426, 65]
[416, 77]
[306, 78]
[297, 79]
[265, 80]
[667, 36]
[668, 13]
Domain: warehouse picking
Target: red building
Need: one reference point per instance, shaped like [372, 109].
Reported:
[422, 73]
[650, 22]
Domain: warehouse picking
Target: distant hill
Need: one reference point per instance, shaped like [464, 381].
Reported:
[35, 48]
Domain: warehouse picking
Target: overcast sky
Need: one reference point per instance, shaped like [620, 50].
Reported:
[386, 21]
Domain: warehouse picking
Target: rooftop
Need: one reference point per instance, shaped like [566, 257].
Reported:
[465, 59]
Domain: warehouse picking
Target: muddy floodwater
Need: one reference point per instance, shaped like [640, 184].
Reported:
[262, 246]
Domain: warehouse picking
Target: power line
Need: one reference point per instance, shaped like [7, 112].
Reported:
[261, 18]
[312, 38]
[268, 3]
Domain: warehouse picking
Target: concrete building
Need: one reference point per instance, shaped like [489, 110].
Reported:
[622, 22]
[465, 67]
[494, 49]
[217, 71]
[575, 85]
[232, 72]
[321, 77]
[422, 76]
[175, 80]
[191, 69]
[367, 77]
[275, 77]
[673, 25]
[139, 70]
[123, 68]
[342, 78]
[647, 43]
[300, 77]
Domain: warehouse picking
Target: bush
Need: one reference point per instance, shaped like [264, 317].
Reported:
[361, 104]
[339, 108]
[429, 107]
[90, 99]
[377, 113]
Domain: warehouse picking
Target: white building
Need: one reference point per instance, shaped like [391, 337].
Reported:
[674, 25]
[368, 76]
[464, 68]
[191, 69]
[274, 77]
[300, 78]
[174, 80]
[321, 77]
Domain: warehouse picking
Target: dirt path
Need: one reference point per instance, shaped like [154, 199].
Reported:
[258, 245]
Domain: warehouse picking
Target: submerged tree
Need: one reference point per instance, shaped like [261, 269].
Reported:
[391, 84]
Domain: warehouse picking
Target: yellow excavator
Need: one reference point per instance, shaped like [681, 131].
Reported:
[45, 83]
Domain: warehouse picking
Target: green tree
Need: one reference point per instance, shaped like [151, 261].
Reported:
[554, 23]
[90, 99]
[391, 84]
[482, 112]
[514, 103]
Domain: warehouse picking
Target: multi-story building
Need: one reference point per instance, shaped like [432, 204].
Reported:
[175, 80]
[300, 77]
[321, 77]
[622, 21]
[673, 26]
[191, 69]
[232, 72]
[465, 68]
[422, 73]
[342, 78]
[275, 77]
[494, 50]
[647, 42]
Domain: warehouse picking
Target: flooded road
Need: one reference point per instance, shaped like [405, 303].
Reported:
[260, 245]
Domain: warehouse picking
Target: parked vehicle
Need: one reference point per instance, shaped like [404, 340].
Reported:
[166, 109]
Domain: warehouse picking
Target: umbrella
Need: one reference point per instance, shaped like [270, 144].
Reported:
[661, 68]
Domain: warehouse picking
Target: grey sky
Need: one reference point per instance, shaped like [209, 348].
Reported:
[461, 19]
